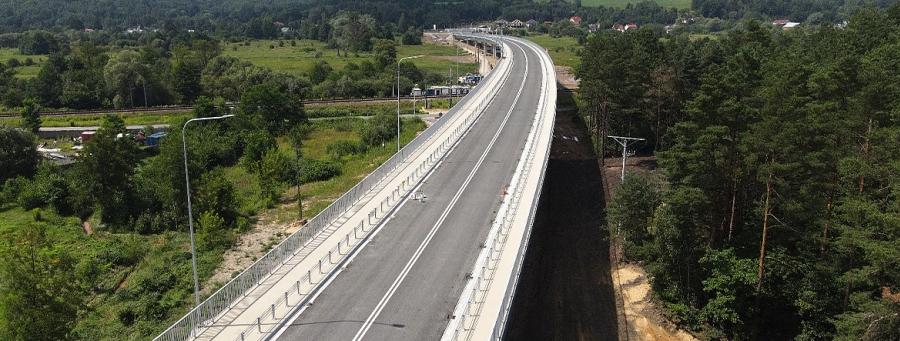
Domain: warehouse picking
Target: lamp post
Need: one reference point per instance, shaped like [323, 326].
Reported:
[398, 96]
[187, 184]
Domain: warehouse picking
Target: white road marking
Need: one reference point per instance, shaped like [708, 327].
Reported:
[412, 261]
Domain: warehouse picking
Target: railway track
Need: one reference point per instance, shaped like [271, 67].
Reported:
[171, 109]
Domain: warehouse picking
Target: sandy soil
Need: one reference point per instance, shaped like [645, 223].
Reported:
[249, 247]
[644, 322]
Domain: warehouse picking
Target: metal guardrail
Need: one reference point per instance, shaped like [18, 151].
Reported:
[205, 314]
[487, 262]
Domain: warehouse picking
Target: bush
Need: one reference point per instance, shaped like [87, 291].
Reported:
[12, 188]
[30, 197]
[257, 143]
[317, 170]
[378, 130]
[212, 233]
[13, 62]
[339, 149]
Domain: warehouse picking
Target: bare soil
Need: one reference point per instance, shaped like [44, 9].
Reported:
[565, 78]
[574, 283]
[248, 248]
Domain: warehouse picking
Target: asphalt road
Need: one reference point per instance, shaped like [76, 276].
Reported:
[406, 281]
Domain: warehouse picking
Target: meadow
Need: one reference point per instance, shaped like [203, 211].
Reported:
[562, 50]
[280, 55]
[22, 71]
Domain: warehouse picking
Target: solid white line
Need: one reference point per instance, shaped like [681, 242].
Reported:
[412, 261]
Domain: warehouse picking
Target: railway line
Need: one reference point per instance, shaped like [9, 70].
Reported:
[171, 109]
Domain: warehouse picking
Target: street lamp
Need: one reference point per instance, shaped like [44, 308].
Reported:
[187, 184]
[398, 96]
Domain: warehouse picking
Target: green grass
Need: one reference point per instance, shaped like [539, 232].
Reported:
[562, 50]
[318, 195]
[297, 60]
[22, 71]
[135, 119]
[113, 284]
[357, 109]
[694, 37]
[680, 4]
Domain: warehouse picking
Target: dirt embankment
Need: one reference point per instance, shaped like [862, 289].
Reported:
[574, 283]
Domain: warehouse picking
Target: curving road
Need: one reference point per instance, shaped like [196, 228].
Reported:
[406, 282]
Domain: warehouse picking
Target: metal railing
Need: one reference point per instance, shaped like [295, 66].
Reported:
[211, 309]
[483, 274]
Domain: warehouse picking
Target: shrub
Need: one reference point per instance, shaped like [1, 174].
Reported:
[378, 130]
[12, 188]
[211, 232]
[317, 170]
[339, 149]
[30, 197]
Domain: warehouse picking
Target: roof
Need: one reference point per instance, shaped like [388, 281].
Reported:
[531, 22]
[791, 24]
[780, 22]
[575, 20]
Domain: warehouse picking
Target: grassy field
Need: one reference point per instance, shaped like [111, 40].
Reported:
[300, 58]
[562, 50]
[22, 71]
[681, 4]
[95, 121]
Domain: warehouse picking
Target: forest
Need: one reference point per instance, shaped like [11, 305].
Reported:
[174, 66]
[774, 214]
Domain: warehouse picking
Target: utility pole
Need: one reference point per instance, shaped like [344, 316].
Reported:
[450, 82]
[624, 142]
[457, 64]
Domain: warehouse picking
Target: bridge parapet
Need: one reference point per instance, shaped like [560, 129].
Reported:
[483, 308]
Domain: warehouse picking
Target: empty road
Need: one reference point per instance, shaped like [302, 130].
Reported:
[405, 283]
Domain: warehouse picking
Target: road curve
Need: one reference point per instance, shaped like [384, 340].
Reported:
[406, 282]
